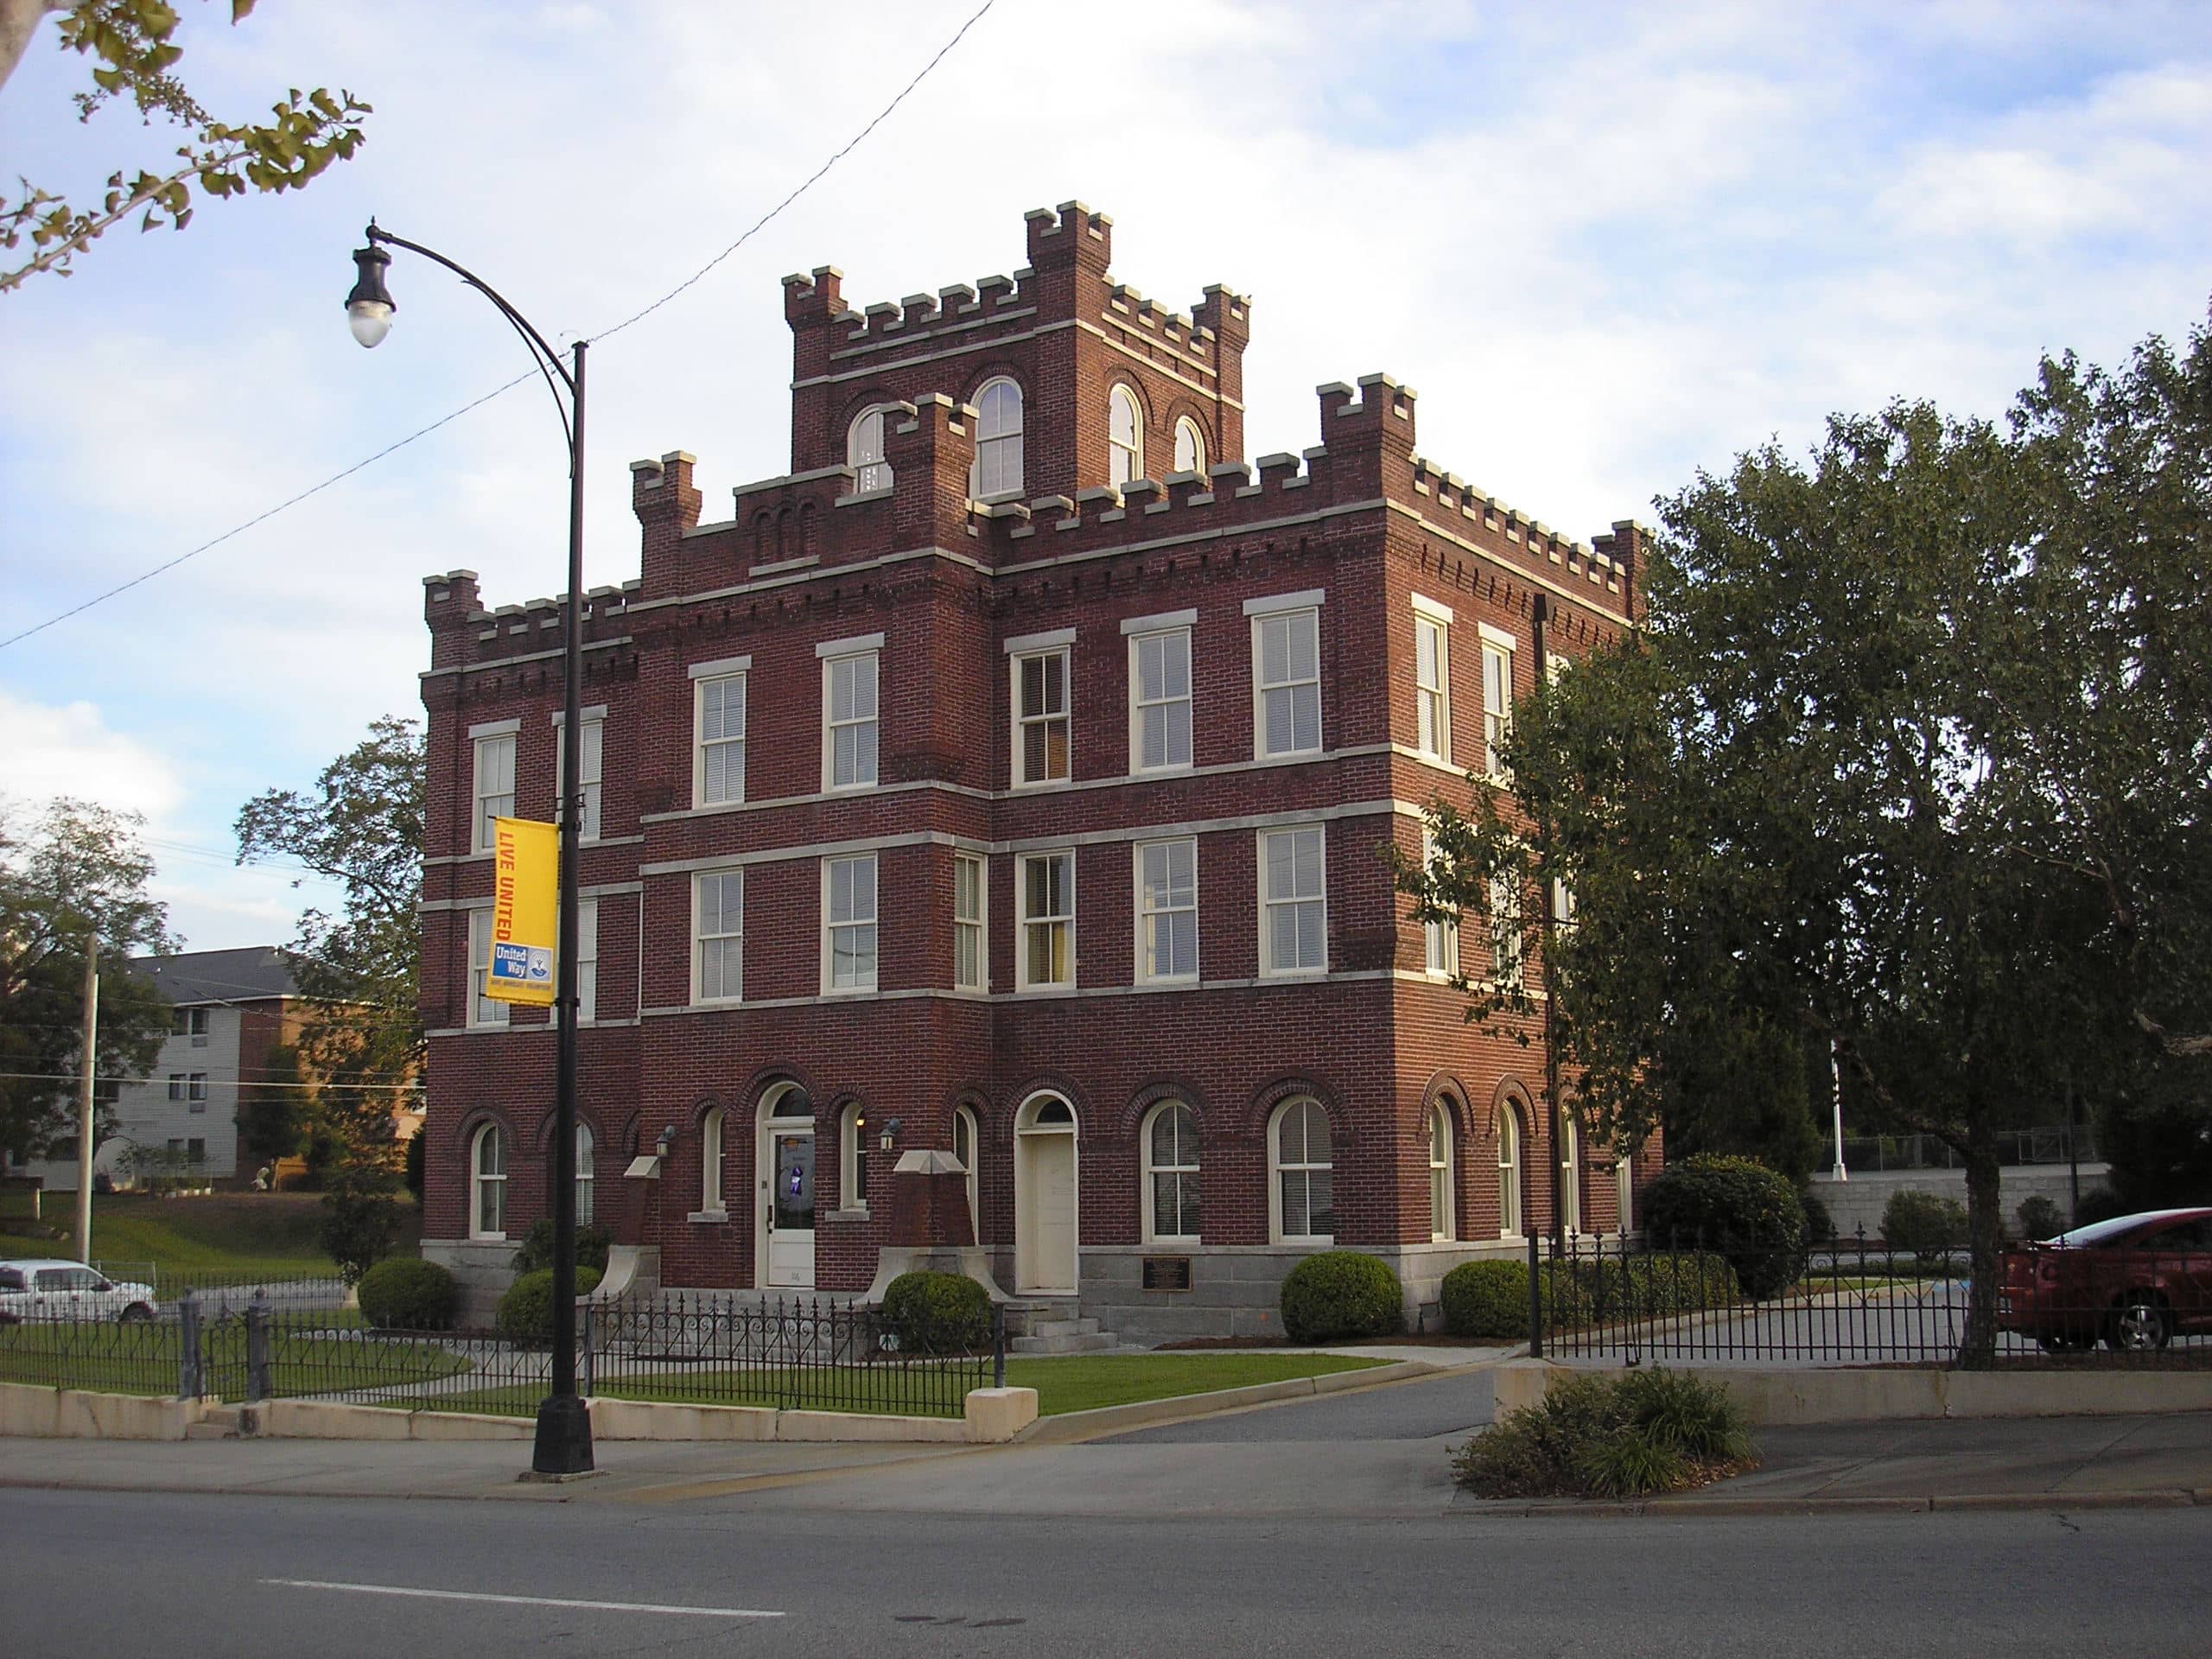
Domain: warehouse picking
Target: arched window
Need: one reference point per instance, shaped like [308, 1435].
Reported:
[864, 453]
[1170, 1174]
[967, 1147]
[1190, 447]
[1570, 1174]
[1508, 1172]
[1124, 438]
[710, 1163]
[587, 1173]
[487, 1175]
[998, 439]
[1298, 1147]
[852, 1158]
[1439, 1172]
[1625, 1193]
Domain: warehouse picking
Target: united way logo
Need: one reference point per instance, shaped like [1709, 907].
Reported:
[521, 964]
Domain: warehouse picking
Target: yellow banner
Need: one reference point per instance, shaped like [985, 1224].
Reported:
[525, 856]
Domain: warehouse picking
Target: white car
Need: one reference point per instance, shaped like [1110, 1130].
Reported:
[69, 1290]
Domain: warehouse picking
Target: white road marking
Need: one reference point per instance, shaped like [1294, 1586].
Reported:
[527, 1601]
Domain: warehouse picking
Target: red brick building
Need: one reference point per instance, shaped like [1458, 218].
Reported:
[1007, 781]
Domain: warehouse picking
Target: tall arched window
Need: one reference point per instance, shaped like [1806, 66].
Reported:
[1508, 1172]
[1625, 1193]
[998, 439]
[587, 1173]
[1170, 1174]
[967, 1147]
[1570, 1174]
[1190, 447]
[1124, 438]
[864, 453]
[1304, 1170]
[852, 1158]
[710, 1163]
[488, 1176]
[1439, 1172]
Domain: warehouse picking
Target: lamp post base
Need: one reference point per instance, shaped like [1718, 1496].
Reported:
[564, 1444]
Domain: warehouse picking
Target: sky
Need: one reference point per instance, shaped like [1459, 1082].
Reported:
[1610, 245]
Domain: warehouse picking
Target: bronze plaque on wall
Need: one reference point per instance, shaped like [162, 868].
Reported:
[1167, 1273]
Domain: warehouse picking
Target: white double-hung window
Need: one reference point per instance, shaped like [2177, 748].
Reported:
[969, 969]
[1286, 674]
[1293, 907]
[848, 711]
[482, 1010]
[494, 788]
[1497, 697]
[1432, 678]
[1041, 713]
[587, 958]
[1167, 911]
[849, 923]
[1159, 692]
[1505, 938]
[1439, 940]
[718, 731]
[1044, 925]
[864, 454]
[998, 439]
[718, 936]
[1124, 438]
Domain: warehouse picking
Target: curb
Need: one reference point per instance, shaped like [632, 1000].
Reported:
[2168, 1497]
[1071, 1427]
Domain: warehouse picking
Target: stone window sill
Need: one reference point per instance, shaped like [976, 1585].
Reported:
[708, 1216]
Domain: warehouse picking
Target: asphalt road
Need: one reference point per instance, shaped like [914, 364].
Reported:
[128, 1574]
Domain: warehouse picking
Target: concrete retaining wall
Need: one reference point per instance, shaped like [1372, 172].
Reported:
[39, 1413]
[481, 1271]
[1857, 1203]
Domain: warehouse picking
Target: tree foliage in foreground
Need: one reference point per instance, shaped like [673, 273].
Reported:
[136, 55]
[1907, 761]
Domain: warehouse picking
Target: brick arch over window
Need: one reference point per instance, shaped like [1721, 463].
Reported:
[1043, 1083]
[1186, 409]
[1511, 1089]
[1132, 1116]
[1445, 1088]
[1260, 1111]
[770, 1077]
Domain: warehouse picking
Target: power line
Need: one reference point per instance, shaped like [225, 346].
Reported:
[758, 225]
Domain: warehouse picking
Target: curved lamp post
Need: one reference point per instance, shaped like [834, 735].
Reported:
[564, 1444]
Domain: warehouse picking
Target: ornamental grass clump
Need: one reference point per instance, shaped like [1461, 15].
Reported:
[1645, 1431]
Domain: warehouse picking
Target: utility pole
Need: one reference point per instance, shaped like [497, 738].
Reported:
[86, 1068]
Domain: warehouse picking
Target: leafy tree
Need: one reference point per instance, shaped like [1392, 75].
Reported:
[131, 41]
[1908, 758]
[68, 869]
[275, 1111]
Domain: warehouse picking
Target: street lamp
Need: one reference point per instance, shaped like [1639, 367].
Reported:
[563, 1446]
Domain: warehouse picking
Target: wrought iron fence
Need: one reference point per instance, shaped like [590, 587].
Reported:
[1873, 1153]
[1865, 1302]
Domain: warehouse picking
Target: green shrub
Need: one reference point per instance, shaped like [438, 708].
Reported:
[592, 1245]
[1738, 1206]
[414, 1168]
[1341, 1293]
[1820, 1222]
[1656, 1286]
[1647, 1431]
[1491, 1298]
[2099, 1203]
[404, 1293]
[937, 1314]
[1927, 1223]
[525, 1315]
[2040, 1217]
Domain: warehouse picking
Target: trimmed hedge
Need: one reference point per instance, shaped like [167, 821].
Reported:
[526, 1314]
[1341, 1293]
[1491, 1298]
[592, 1244]
[404, 1293]
[1927, 1223]
[937, 1314]
[1738, 1206]
[1655, 1287]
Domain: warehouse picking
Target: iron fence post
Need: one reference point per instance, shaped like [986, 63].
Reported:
[1536, 1303]
[256, 1348]
[998, 1345]
[188, 1372]
[585, 1369]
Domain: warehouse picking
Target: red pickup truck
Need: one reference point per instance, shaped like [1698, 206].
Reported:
[2133, 1282]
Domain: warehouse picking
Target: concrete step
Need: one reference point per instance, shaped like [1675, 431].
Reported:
[1061, 1327]
[1086, 1342]
[222, 1424]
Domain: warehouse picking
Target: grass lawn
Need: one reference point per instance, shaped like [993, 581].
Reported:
[142, 1358]
[234, 1236]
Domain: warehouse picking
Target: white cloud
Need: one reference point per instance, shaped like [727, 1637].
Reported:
[68, 749]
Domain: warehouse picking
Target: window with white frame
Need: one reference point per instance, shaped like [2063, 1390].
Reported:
[1505, 940]
[1432, 680]
[967, 1147]
[1294, 911]
[1190, 447]
[195, 1092]
[1562, 902]
[1625, 1193]
[1570, 1174]
[487, 1175]
[852, 1157]
[482, 1010]
[1160, 701]
[718, 936]
[1045, 896]
[1167, 911]
[1170, 1174]
[848, 709]
[998, 439]
[177, 1085]
[1440, 939]
[1124, 438]
[1497, 697]
[718, 754]
[591, 742]
[495, 785]
[864, 454]
[1040, 716]
[1508, 1172]
[968, 900]
[587, 1172]
[1286, 683]
[849, 923]
[710, 1162]
[190, 1022]
[1439, 1172]
[1304, 1171]
[587, 958]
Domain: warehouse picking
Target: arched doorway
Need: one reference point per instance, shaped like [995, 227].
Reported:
[1044, 1197]
[784, 1159]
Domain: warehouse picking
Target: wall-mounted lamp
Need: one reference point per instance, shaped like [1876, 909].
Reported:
[667, 1142]
[890, 1132]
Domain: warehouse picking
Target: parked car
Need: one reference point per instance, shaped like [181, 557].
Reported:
[2133, 1282]
[69, 1290]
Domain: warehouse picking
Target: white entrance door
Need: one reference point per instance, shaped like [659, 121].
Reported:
[788, 1259]
[1045, 1203]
